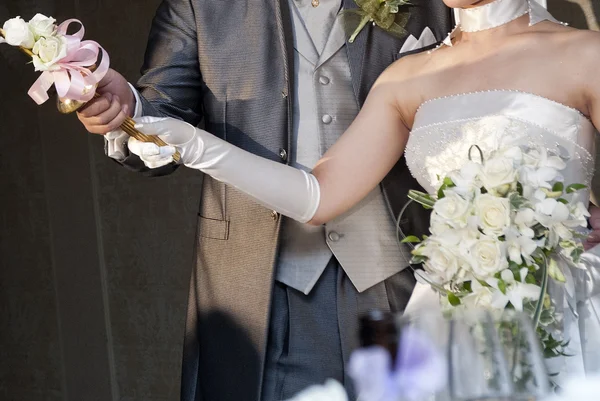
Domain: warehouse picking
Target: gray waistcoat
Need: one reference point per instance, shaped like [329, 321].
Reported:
[324, 105]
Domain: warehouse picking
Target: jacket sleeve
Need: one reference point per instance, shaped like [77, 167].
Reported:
[171, 82]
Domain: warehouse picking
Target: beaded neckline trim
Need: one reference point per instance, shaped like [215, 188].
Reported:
[502, 91]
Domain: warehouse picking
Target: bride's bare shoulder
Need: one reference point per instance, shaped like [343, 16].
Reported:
[580, 48]
[572, 39]
[410, 71]
[410, 79]
[413, 64]
[585, 42]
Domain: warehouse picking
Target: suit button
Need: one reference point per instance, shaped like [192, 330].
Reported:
[334, 237]
[283, 154]
[324, 80]
[274, 215]
[327, 119]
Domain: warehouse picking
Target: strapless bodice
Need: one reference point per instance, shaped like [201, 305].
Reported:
[446, 128]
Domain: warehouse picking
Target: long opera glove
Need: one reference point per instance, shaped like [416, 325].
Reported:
[287, 190]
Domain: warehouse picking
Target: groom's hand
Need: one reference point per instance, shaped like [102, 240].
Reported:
[594, 237]
[108, 112]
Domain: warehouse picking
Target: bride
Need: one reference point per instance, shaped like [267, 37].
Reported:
[509, 71]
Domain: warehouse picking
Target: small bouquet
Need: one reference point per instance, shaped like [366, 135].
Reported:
[72, 65]
[500, 230]
[66, 61]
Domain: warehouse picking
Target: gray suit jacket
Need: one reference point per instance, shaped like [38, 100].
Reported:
[227, 64]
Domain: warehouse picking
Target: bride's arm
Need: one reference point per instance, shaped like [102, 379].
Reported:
[351, 168]
[592, 88]
[589, 60]
[364, 154]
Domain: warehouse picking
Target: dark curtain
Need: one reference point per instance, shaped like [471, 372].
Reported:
[94, 260]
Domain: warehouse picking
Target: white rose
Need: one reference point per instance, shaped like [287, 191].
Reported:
[442, 264]
[488, 257]
[481, 297]
[48, 51]
[453, 207]
[493, 213]
[17, 33]
[41, 25]
[498, 174]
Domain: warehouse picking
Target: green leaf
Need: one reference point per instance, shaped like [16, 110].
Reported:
[445, 185]
[520, 188]
[467, 286]
[530, 279]
[422, 198]
[502, 286]
[418, 259]
[562, 200]
[517, 201]
[576, 254]
[575, 187]
[453, 299]
[551, 194]
[554, 271]
[411, 239]
[558, 187]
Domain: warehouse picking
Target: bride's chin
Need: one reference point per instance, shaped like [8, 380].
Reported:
[466, 3]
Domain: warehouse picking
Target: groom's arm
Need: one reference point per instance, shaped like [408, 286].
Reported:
[171, 82]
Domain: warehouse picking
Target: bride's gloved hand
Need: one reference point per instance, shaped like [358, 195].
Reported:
[289, 191]
[179, 135]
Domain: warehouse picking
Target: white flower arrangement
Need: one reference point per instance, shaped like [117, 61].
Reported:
[498, 229]
[65, 60]
[40, 35]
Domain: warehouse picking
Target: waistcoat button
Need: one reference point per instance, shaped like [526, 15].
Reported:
[327, 119]
[334, 237]
[283, 154]
[324, 80]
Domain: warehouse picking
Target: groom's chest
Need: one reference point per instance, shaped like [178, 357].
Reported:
[246, 47]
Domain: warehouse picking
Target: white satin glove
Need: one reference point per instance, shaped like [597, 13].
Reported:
[289, 191]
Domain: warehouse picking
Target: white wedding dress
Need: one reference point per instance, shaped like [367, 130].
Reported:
[446, 128]
[444, 131]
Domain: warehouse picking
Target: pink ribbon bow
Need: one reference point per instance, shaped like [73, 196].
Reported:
[73, 78]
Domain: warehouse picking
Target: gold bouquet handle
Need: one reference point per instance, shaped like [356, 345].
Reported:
[67, 106]
[128, 126]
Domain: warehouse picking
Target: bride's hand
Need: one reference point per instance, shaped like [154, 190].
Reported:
[178, 135]
[594, 237]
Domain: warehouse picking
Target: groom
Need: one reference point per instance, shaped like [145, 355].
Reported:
[273, 304]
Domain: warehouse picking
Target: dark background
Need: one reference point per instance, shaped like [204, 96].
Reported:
[95, 260]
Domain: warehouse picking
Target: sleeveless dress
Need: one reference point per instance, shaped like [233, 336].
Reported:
[444, 131]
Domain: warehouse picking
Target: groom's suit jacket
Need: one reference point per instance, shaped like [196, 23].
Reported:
[229, 66]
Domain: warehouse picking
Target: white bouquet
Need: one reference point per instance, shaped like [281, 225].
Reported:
[500, 229]
[65, 60]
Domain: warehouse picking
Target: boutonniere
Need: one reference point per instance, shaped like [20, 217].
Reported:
[386, 14]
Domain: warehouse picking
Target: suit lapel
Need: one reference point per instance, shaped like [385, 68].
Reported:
[356, 54]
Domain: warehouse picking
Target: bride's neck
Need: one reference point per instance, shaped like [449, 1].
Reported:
[493, 19]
